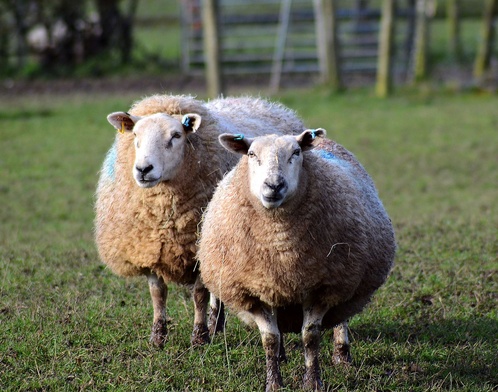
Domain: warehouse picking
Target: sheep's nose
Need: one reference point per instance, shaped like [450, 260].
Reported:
[275, 183]
[144, 170]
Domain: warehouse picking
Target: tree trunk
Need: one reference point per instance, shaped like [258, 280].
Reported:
[19, 9]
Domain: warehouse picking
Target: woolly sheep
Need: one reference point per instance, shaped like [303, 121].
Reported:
[295, 239]
[156, 179]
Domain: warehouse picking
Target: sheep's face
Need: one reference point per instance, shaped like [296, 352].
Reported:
[274, 163]
[159, 142]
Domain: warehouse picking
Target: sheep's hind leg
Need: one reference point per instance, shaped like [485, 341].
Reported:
[200, 334]
[216, 315]
[158, 292]
[266, 320]
[312, 326]
[341, 354]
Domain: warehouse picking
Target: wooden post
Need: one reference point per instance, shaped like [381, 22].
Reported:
[328, 44]
[278, 58]
[211, 48]
[420, 47]
[486, 40]
[384, 62]
[453, 18]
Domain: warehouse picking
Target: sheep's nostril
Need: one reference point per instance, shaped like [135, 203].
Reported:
[278, 187]
[274, 188]
[144, 170]
[275, 184]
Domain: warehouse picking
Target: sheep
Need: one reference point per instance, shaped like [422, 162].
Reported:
[295, 239]
[154, 183]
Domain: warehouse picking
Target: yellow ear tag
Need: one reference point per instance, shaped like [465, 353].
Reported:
[122, 130]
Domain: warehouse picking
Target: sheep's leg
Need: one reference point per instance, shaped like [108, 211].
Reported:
[159, 293]
[216, 315]
[266, 320]
[282, 356]
[200, 334]
[312, 326]
[341, 344]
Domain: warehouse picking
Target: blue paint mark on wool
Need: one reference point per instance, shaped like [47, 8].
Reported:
[332, 159]
[324, 154]
[109, 167]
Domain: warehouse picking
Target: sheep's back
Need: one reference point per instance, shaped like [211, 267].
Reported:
[255, 116]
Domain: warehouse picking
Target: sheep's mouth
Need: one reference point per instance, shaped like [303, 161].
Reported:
[272, 201]
[147, 182]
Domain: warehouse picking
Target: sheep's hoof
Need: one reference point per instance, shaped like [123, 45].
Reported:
[273, 377]
[159, 334]
[341, 355]
[274, 384]
[200, 335]
[311, 381]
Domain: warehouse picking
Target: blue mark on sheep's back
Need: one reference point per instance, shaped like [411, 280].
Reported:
[109, 167]
[324, 154]
[333, 159]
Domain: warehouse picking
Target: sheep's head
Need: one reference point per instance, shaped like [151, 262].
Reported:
[274, 162]
[160, 141]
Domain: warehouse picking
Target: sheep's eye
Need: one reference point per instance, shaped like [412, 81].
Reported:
[295, 153]
[251, 154]
[177, 135]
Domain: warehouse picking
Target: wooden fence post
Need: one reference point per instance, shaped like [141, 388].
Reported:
[453, 18]
[384, 62]
[486, 40]
[421, 41]
[278, 57]
[211, 48]
[328, 44]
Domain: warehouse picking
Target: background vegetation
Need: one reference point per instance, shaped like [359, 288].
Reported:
[143, 37]
[67, 323]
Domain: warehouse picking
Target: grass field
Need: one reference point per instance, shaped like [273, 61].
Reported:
[67, 323]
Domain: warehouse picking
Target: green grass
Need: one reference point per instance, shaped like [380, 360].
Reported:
[67, 323]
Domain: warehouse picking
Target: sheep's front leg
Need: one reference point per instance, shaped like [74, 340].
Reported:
[312, 326]
[266, 320]
[200, 334]
[159, 293]
[216, 321]
[341, 344]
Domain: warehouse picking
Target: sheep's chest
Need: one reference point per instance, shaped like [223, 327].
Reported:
[166, 231]
[284, 269]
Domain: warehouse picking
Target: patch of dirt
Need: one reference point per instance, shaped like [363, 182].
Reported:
[102, 85]
[455, 77]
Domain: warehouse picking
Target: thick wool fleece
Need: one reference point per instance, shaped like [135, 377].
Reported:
[155, 229]
[333, 242]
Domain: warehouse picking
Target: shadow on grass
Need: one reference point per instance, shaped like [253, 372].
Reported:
[460, 350]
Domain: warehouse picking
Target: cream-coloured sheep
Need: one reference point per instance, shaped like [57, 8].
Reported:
[295, 239]
[156, 179]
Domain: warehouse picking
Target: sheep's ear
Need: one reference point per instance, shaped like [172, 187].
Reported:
[122, 121]
[191, 122]
[238, 144]
[310, 138]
